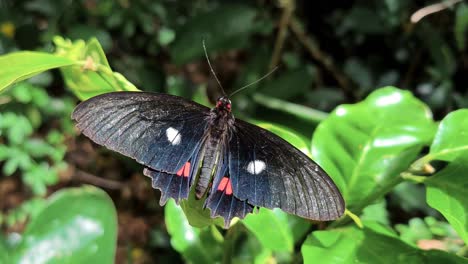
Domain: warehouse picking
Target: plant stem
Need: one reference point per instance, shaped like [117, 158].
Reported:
[288, 9]
[300, 111]
[311, 46]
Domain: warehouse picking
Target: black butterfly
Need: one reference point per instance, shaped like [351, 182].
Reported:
[236, 165]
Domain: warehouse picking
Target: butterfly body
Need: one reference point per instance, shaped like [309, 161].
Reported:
[234, 165]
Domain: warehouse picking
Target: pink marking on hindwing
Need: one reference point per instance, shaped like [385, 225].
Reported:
[225, 186]
[185, 170]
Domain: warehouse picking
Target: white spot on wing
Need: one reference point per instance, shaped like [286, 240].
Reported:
[256, 167]
[173, 136]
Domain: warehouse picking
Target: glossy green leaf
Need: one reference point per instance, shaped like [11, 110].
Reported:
[451, 139]
[223, 28]
[271, 228]
[93, 76]
[373, 244]
[79, 225]
[21, 65]
[446, 190]
[194, 244]
[365, 146]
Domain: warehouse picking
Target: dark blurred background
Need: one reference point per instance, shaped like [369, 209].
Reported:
[328, 53]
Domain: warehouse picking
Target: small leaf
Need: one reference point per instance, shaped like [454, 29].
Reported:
[18, 66]
[373, 244]
[95, 77]
[79, 225]
[365, 146]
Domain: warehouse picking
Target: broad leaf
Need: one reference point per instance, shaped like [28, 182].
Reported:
[272, 229]
[365, 146]
[446, 190]
[18, 66]
[373, 244]
[451, 139]
[78, 225]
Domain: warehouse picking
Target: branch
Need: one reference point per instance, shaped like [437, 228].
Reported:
[320, 56]
[98, 181]
[430, 9]
[288, 9]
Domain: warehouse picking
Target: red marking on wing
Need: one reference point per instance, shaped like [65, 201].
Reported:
[225, 185]
[185, 170]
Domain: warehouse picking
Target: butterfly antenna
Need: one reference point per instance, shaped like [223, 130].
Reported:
[250, 84]
[211, 68]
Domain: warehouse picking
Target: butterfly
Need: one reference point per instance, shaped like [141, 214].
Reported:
[232, 164]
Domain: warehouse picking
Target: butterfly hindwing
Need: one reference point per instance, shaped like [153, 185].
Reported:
[221, 200]
[160, 131]
[267, 171]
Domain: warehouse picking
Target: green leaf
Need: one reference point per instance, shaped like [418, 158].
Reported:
[222, 28]
[446, 192]
[4, 251]
[365, 146]
[271, 227]
[98, 77]
[451, 139]
[376, 212]
[373, 244]
[196, 245]
[18, 66]
[79, 225]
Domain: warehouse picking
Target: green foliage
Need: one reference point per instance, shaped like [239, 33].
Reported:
[39, 160]
[379, 143]
[374, 149]
[372, 244]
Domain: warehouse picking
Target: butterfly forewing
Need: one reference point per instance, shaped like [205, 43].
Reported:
[269, 172]
[158, 130]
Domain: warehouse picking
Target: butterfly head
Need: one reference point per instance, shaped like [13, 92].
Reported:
[224, 104]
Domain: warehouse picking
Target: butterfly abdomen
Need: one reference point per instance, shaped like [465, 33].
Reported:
[209, 164]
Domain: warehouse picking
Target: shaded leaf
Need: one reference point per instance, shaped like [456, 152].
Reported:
[223, 28]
